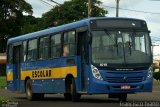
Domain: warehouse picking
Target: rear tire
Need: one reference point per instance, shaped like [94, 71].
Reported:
[32, 96]
[29, 94]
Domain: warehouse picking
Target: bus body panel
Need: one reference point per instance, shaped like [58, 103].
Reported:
[42, 84]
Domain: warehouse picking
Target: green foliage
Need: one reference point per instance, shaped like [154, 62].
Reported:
[71, 11]
[3, 100]
[31, 24]
[6, 102]
[2, 81]
[11, 18]
[156, 76]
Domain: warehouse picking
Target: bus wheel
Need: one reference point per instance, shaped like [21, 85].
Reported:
[68, 96]
[123, 97]
[29, 93]
[75, 95]
[32, 96]
[39, 96]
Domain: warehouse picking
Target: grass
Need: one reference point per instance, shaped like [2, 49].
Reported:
[156, 82]
[3, 100]
[2, 81]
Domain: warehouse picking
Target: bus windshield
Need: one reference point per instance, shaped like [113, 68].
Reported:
[120, 47]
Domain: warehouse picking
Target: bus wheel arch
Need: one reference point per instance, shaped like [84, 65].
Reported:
[68, 81]
[28, 89]
[70, 86]
[27, 78]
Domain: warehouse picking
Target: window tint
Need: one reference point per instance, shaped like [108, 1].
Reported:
[32, 50]
[56, 45]
[69, 44]
[24, 50]
[43, 48]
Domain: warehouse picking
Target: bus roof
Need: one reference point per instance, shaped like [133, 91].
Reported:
[60, 28]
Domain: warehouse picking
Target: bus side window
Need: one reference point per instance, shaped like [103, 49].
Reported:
[69, 43]
[32, 50]
[44, 48]
[24, 51]
[56, 45]
[10, 54]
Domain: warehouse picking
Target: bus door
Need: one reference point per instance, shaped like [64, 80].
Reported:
[16, 62]
[82, 52]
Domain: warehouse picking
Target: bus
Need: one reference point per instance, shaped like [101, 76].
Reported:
[98, 55]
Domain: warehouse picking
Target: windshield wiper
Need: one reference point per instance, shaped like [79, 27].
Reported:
[130, 44]
[109, 34]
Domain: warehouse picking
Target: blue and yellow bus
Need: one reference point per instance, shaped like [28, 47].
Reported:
[97, 55]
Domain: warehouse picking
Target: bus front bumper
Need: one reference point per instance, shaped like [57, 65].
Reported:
[100, 86]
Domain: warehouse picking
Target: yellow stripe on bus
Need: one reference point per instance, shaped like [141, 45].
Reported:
[10, 76]
[49, 73]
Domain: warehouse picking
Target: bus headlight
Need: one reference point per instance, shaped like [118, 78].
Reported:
[96, 73]
[150, 72]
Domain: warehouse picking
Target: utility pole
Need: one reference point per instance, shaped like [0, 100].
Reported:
[117, 8]
[89, 8]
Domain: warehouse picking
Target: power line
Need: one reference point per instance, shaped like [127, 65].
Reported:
[46, 3]
[131, 10]
[55, 2]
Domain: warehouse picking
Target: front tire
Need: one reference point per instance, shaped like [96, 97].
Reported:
[75, 95]
[68, 96]
[123, 97]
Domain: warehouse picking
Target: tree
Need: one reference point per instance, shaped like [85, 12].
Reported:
[71, 11]
[31, 24]
[11, 18]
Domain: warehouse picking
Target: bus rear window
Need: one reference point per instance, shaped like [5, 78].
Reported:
[10, 54]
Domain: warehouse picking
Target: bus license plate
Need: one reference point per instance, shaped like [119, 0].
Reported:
[125, 87]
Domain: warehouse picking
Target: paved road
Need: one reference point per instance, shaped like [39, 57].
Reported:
[57, 100]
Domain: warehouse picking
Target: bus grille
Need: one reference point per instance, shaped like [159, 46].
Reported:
[124, 79]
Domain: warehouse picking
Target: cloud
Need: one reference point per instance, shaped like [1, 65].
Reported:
[39, 7]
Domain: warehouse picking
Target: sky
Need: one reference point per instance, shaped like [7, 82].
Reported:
[152, 19]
